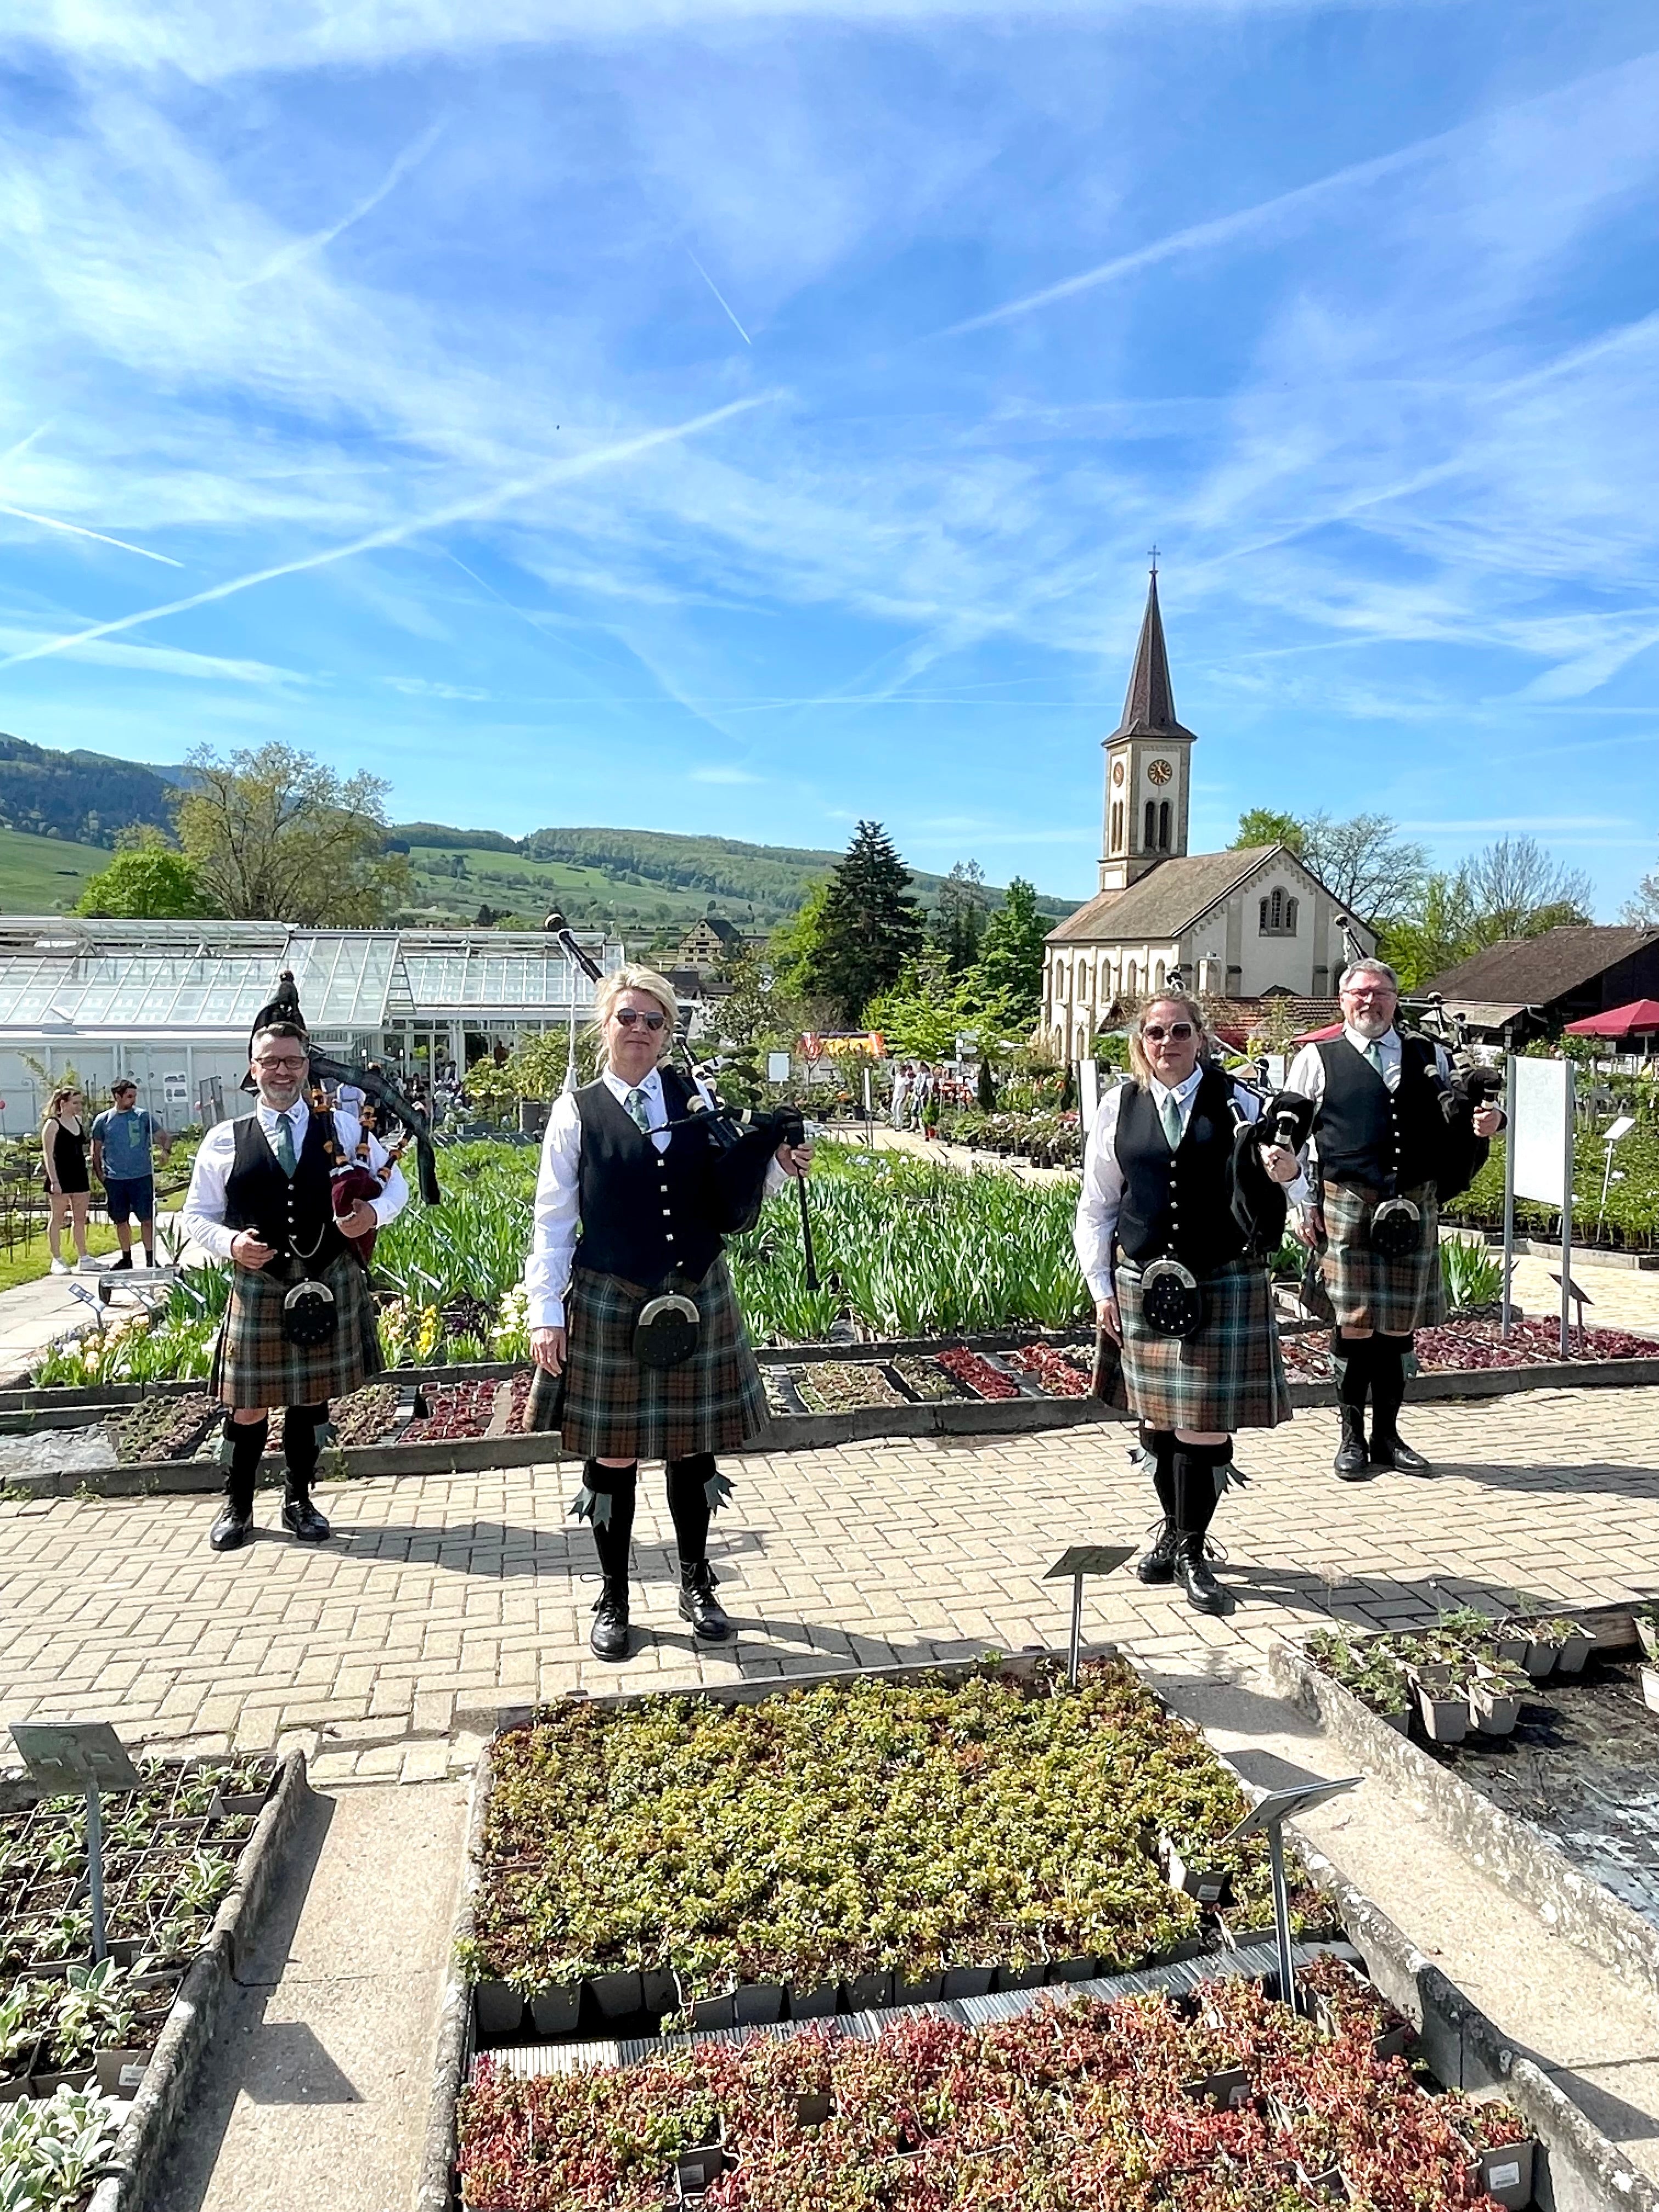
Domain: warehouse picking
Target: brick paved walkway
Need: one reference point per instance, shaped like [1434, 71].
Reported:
[386, 1653]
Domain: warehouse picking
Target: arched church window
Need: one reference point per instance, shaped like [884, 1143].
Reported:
[1289, 917]
[1261, 922]
[1278, 909]
[1149, 841]
[1133, 973]
[1158, 981]
[1163, 826]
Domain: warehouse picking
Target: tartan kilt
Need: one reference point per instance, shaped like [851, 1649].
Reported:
[254, 1365]
[1367, 1290]
[607, 1405]
[1228, 1377]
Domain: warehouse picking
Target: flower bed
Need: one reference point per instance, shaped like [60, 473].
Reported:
[1085, 2105]
[164, 1428]
[1466, 1346]
[837, 1386]
[852, 1838]
[170, 1853]
[455, 1409]
[1469, 1673]
[366, 1417]
[977, 1375]
[1061, 1373]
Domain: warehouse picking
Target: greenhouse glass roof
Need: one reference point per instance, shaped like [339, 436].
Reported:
[60, 974]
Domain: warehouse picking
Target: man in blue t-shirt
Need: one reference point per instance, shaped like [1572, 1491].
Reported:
[121, 1159]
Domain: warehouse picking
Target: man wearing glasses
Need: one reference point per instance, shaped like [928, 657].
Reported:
[630, 1207]
[260, 1196]
[1380, 1150]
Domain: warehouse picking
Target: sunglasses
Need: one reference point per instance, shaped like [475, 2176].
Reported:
[625, 1017]
[1177, 1032]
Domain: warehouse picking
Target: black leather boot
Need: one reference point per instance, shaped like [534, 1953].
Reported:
[1203, 1593]
[245, 1443]
[1353, 1461]
[1350, 1358]
[1196, 1495]
[300, 1451]
[1157, 1563]
[1158, 1448]
[608, 1636]
[699, 1605]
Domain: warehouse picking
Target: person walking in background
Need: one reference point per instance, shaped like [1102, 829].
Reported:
[68, 1185]
[900, 1092]
[124, 1140]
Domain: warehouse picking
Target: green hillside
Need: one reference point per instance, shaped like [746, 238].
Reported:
[83, 797]
[638, 880]
[39, 875]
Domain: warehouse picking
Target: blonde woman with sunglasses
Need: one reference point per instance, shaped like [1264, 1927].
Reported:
[630, 1210]
[63, 1166]
[1174, 1280]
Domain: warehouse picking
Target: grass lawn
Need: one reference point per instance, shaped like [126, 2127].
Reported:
[26, 1263]
[41, 875]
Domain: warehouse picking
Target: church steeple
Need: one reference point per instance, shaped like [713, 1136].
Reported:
[1148, 764]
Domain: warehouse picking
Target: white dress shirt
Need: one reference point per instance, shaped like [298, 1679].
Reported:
[203, 1217]
[1101, 1198]
[553, 1238]
[1307, 1075]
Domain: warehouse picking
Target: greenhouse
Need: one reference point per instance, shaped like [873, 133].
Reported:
[169, 1002]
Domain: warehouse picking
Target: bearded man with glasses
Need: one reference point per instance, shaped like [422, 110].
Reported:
[630, 1211]
[261, 1196]
[1393, 1136]
[1177, 1277]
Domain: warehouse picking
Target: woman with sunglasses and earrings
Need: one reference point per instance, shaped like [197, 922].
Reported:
[630, 1209]
[1174, 1279]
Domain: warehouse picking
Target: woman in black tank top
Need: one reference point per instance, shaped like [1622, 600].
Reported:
[68, 1187]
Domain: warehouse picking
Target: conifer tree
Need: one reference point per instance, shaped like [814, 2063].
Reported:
[867, 928]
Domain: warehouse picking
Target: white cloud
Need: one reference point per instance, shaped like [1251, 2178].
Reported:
[422, 687]
[724, 776]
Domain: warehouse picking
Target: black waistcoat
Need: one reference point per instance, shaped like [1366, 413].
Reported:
[1390, 1140]
[297, 1216]
[643, 1212]
[1178, 1203]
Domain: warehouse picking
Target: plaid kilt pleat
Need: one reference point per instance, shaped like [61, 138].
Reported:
[606, 1405]
[1228, 1377]
[255, 1365]
[1365, 1289]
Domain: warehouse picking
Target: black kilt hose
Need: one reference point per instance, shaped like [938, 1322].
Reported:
[607, 1405]
[255, 1366]
[1366, 1289]
[1228, 1375]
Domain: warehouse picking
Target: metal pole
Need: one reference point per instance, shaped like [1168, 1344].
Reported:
[1076, 1630]
[1282, 1913]
[806, 1235]
[96, 1872]
[1508, 1194]
[1566, 1227]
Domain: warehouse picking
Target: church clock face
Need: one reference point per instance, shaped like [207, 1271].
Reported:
[1117, 771]
[1160, 772]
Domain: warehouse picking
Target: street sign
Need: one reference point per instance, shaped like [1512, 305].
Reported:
[1080, 1560]
[66, 1757]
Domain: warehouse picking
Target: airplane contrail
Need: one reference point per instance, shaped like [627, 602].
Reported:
[719, 295]
[459, 511]
[51, 522]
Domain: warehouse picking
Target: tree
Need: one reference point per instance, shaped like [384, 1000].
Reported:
[1375, 873]
[1007, 981]
[1518, 890]
[868, 926]
[146, 881]
[276, 835]
[1436, 937]
[959, 919]
[921, 1014]
[795, 943]
[1261, 825]
[760, 1010]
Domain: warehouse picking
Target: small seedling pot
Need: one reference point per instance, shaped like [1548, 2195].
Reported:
[1511, 1648]
[1505, 2173]
[1493, 1710]
[1083, 1969]
[1399, 1722]
[757, 2004]
[16, 2087]
[817, 2003]
[1328, 2187]
[1539, 1659]
[619, 1995]
[660, 1990]
[968, 1981]
[811, 2108]
[695, 2169]
[1445, 1716]
[869, 1992]
[119, 2072]
[1031, 1976]
[1206, 1885]
[1575, 1649]
[497, 2009]
[927, 1989]
[556, 2011]
[715, 2012]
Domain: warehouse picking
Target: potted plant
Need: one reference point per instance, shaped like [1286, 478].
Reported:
[1495, 1696]
[1205, 1884]
[1573, 1644]
[1443, 1703]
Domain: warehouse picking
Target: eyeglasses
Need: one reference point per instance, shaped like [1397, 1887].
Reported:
[1370, 991]
[625, 1017]
[1177, 1032]
[285, 1066]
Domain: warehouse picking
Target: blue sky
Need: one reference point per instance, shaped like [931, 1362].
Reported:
[729, 416]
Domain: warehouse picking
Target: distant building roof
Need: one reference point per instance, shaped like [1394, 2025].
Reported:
[727, 931]
[1166, 899]
[1536, 971]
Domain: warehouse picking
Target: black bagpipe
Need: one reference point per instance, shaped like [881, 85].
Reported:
[1259, 1205]
[1472, 1088]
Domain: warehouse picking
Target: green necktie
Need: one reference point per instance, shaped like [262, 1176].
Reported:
[1169, 1114]
[1374, 1054]
[640, 1111]
[285, 1158]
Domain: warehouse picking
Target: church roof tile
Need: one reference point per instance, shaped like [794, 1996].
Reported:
[1165, 900]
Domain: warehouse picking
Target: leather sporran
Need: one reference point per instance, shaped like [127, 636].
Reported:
[1171, 1303]
[1396, 1230]
[667, 1331]
[310, 1316]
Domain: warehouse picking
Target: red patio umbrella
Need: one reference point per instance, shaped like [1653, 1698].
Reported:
[1319, 1036]
[1641, 1015]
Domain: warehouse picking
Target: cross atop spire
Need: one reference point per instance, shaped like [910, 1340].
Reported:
[1149, 709]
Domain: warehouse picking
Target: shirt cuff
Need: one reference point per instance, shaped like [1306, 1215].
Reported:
[547, 1312]
[1101, 1287]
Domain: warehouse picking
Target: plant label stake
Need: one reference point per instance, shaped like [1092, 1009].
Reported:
[1085, 1559]
[65, 1757]
[1269, 1816]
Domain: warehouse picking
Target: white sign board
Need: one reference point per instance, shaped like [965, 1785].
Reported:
[777, 1067]
[1543, 1106]
[175, 1089]
[1276, 1066]
[1088, 1092]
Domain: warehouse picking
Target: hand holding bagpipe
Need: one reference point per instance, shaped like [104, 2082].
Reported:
[1265, 1159]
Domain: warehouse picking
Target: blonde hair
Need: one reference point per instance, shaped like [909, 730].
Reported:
[1138, 1062]
[64, 1091]
[635, 977]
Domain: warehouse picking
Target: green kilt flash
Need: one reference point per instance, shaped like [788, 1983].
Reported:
[606, 1405]
[254, 1365]
[1229, 1376]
